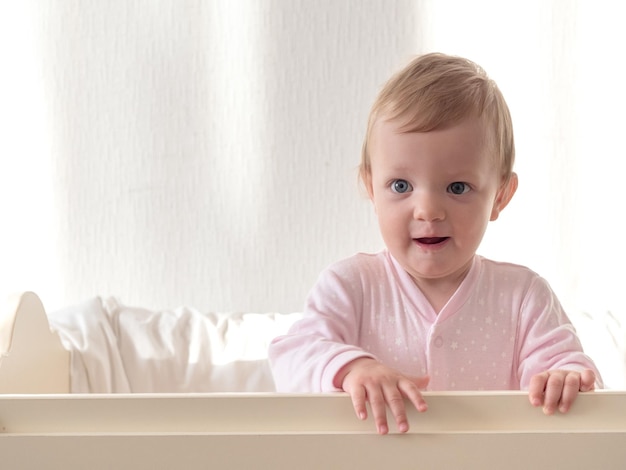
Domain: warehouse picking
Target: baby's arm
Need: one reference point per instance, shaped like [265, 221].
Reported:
[366, 379]
[553, 366]
[559, 388]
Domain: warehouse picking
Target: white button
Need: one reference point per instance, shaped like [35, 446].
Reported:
[438, 341]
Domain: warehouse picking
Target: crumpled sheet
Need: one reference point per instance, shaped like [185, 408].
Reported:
[121, 349]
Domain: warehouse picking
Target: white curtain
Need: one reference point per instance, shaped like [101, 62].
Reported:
[204, 152]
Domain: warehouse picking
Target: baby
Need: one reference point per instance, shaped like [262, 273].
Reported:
[428, 313]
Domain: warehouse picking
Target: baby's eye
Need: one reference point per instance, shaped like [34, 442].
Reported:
[401, 186]
[458, 188]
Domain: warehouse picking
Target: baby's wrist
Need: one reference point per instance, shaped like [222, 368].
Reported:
[341, 375]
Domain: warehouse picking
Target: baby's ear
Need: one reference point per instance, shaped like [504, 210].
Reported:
[503, 196]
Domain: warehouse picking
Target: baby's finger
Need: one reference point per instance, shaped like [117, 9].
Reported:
[359, 402]
[395, 400]
[537, 387]
[571, 386]
[552, 396]
[379, 409]
[414, 396]
[587, 380]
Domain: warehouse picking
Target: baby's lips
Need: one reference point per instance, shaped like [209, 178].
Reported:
[431, 240]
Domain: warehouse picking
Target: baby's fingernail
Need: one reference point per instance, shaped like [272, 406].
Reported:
[362, 415]
[382, 429]
[403, 427]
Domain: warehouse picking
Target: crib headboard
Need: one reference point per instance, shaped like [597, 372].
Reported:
[32, 358]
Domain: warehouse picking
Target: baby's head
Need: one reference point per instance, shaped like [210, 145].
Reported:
[437, 91]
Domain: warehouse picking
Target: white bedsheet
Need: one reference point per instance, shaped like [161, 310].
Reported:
[121, 349]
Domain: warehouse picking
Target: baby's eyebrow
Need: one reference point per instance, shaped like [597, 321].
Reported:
[398, 167]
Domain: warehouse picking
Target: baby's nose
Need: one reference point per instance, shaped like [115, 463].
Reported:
[428, 207]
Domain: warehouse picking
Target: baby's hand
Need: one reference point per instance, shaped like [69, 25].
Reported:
[366, 380]
[559, 388]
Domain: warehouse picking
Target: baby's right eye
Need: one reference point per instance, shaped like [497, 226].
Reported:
[401, 186]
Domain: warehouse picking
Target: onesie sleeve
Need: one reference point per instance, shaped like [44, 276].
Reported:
[316, 347]
[547, 339]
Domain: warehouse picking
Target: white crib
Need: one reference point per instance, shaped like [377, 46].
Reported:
[44, 426]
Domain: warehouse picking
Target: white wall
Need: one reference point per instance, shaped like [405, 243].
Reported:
[198, 152]
[204, 152]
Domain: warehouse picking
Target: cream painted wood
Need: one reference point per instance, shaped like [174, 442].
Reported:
[32, 358]
[460, 430]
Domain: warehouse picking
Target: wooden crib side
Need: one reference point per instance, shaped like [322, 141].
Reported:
[274, 431]
[32, 358]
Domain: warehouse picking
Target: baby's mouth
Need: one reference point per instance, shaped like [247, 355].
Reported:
[431, 240]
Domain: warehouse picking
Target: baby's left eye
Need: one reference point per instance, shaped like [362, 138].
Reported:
[458, 188]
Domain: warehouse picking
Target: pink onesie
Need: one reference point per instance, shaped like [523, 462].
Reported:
[502, 326]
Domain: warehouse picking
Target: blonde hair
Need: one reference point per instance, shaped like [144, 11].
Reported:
[435, 91]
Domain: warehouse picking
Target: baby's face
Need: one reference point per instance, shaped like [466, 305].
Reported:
[434, 194]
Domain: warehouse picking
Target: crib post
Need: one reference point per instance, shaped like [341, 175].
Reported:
[32, 358]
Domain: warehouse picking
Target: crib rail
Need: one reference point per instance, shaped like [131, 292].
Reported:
[460, 430]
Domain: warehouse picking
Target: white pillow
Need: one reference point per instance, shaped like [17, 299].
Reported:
[96, 365]
[121, 349]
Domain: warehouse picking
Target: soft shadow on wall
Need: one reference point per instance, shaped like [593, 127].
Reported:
[205, 153]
